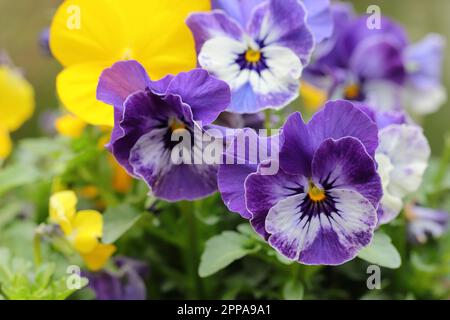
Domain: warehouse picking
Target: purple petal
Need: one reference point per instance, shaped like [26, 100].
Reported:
[319, 18]
[239, 10]
[205, 26]
[206, 95]
[151, 160]
[231, 177]
[121, 80]
[341, 119]
[283, 23]
[425, 59]
[143, 111]
[297, 150]
[345, 164]
[385, 63]
[262, 192]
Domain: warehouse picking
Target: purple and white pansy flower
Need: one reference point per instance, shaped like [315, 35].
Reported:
[148, 113]
[402, 157]
[261, 60]
[321, 205]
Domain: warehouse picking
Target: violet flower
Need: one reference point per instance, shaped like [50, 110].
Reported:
[321, 206]
[147, 113]
[425, 222]
[125, 283]
[261, 61]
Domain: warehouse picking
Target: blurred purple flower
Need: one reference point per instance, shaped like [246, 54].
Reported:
[125, 283]
[44, 42]
[397, 75]
[425, 222]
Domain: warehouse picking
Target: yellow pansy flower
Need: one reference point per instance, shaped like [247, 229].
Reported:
[16, 105]
[88, 36]
[70, 126]
[96, 259]
[83, 229]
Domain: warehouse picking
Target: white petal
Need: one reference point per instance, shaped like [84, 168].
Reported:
[408, 151]
[284, 71]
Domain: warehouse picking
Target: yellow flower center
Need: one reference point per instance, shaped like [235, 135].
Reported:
[252, 56]
[315, 193]
[176, 124]
[352, 91]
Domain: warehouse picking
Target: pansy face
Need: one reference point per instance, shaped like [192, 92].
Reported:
[262, 62]
[320, 207]
[150, 115]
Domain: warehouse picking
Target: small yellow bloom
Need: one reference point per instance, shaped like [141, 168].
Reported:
[70, 126]
[16, 105]
[5, 144]
[313, 97]
[96, 259]
[83, 229]
[86, 40]
[16, 99]
[62, 209]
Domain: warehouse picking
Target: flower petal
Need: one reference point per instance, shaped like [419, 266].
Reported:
[76, 88]
[98, 257]
[16, 99]
[151, 160]
[121, 80]
[78, 34]
[341, 119]
[319, 18]
[206, 26]
[206, 95]
[231, 177]
[282, 23]
[262, 192]
[62, 209]
[87, 230]
[321, 239]
[409, 151]
[345, 164]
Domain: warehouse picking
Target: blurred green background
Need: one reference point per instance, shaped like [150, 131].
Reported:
[21, 22]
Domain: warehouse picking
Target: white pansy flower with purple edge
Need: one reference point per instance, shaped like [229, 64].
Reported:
[261, 61]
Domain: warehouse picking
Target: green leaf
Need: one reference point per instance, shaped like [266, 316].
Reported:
[381, 252]
[293, 290]
[223, 249]
[117, 221]
[15, 176]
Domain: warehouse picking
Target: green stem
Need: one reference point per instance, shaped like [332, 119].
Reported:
[37, 247]
[441, 172]
[268, 118]
[192, 249]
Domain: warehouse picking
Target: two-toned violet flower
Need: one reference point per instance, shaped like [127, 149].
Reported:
[148, 113]
[260, 56]
[378, 65]
[321, 205]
